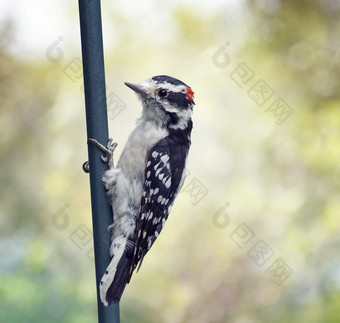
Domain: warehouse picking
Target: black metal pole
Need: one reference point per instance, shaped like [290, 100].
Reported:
[97, 128]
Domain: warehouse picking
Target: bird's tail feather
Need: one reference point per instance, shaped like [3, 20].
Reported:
[116, 276]
[117, 287]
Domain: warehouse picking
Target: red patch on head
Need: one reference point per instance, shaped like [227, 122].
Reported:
[190, 94]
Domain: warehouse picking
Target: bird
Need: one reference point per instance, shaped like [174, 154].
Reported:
[147, 178]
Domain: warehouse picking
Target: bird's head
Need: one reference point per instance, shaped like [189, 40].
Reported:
[166, 101]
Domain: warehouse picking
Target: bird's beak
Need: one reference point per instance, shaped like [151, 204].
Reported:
[137, 88]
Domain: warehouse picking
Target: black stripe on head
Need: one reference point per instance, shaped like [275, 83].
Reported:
[169, 79]
[178, 98]
[173, 117]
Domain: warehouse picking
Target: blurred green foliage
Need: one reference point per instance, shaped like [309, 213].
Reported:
[280, 181]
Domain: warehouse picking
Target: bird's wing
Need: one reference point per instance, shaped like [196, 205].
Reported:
[164, 176]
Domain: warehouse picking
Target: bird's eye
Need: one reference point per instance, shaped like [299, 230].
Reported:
[162, 93]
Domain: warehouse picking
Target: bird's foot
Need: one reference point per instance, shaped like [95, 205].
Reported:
[108, 153]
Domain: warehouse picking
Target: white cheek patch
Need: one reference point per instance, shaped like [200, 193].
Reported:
[185, 113]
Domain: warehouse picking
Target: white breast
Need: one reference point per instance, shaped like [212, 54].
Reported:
[133, 158]
[129, 174]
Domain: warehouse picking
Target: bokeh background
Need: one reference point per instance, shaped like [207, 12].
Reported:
[254, 235]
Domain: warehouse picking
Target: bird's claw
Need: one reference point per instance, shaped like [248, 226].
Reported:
[108, 153]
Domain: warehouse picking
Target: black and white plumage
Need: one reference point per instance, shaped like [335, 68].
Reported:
[149, 174]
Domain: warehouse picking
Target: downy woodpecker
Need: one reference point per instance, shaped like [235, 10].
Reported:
[149, 174]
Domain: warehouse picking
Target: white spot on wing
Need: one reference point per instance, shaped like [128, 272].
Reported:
[165, 158]
[168, 183]
[158, 171]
